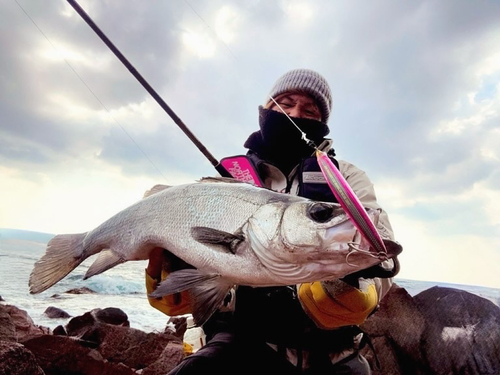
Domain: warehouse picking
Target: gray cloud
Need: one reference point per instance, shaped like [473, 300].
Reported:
[396, 71]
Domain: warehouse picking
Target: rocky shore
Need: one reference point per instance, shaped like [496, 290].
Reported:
[438, 331]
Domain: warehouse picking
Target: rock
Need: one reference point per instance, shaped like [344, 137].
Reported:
[439, 331]
[24, 325]
[133, 347]
[7, 327]
[462, 335]
[111, 315]
[55, 313]
[396, 330]
[83, 290]
[60, 331]
[1, 299]
[64, 355]
[15, 359]
[79, 325]
[169, 358]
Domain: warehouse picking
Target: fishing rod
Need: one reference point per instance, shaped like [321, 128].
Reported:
[218, 166]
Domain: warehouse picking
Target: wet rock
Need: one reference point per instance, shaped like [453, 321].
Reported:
[15, 359]
[55, 313]
[1, 299]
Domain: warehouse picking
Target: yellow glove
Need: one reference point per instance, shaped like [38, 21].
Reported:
[171, 305]
[333, 304]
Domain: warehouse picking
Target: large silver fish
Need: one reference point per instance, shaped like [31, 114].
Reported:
[231, 233]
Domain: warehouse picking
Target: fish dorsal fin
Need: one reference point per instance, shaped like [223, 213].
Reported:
[221, 179]
[105, 260]
[155, 189]
[217, 237]
[207, 291]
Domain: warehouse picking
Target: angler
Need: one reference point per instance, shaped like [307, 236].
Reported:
[307, 327]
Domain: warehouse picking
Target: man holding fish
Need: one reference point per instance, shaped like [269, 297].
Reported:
[309, 327]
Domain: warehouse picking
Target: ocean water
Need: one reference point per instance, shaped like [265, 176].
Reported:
[122, 286]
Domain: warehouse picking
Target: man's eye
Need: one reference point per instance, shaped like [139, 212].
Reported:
[285, 104]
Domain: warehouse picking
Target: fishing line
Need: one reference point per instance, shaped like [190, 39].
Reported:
[303, 137]
[92, 92]
[339, 186]
[208, 26]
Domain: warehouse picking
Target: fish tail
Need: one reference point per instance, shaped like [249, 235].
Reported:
[64, 253]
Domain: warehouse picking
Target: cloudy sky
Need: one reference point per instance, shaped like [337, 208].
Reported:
[416, 88]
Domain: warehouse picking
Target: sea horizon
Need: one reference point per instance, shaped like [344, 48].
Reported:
[123, 286]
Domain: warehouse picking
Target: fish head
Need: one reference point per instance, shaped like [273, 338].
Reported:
[309, 241]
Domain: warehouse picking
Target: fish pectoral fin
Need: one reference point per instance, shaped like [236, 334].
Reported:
[217, 237]
[105, 260]
[208, 291]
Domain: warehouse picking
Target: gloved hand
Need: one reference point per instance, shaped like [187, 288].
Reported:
[334, 303]
[161, 263]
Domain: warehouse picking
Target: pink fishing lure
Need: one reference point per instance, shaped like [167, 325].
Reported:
[349, 202]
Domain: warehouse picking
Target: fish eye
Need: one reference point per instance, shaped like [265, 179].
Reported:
[321, 212]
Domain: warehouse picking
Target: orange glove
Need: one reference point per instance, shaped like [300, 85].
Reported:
[333, 304]
[161, 263]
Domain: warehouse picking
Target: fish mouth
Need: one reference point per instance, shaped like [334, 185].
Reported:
[340, 236]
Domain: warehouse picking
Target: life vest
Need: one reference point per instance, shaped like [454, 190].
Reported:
[310, 181]
[274, 314]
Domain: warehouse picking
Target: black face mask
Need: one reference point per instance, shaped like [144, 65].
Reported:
[279, 141]
[278, 131]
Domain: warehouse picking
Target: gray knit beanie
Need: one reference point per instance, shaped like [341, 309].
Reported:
[309, 81]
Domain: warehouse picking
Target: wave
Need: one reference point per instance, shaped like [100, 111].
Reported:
[107, 285]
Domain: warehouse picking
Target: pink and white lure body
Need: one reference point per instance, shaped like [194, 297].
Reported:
[350, 202]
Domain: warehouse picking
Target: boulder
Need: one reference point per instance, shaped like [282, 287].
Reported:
[60, 331]
[15, 359]
[172, 355]
[79, 325]
[64, 355]
[56, 313]
[24, 325]
[440, 331]
[462, 334]
[133, 347]
[396, 331]
[111, 315]
[7, 327]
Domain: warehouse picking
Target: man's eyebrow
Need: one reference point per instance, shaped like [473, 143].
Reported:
[312, 105]
[286, 96]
